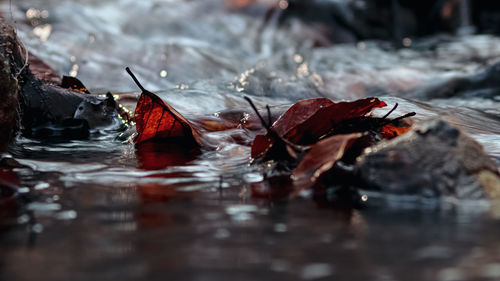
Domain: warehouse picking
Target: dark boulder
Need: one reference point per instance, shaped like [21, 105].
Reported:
[433, 160]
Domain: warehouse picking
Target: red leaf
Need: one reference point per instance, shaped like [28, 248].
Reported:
[325, 119]
[298, 114]
[308, 120]
[321, 158]
[261, 144]
[156, 119]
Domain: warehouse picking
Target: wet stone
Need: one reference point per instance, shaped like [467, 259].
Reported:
[432, 160]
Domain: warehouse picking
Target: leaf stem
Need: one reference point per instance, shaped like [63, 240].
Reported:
[135, 79]
[267, 126]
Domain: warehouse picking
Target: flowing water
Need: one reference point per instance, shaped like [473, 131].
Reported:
[103, 210]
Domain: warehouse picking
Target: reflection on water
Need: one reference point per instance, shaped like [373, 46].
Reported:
[100, 209]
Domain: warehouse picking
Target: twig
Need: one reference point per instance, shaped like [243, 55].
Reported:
[404, 116]
[270, 131]
[269, 120]
[267, 126]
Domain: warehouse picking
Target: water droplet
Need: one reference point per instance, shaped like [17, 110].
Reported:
[44, 14]
[74, 70]
[43, 31]
[361, 46]
[32, 13]
[37, 228]
[298, 58]
[283, 4]
[407, 42]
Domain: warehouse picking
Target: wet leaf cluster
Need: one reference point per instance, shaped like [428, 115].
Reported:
[314, 144]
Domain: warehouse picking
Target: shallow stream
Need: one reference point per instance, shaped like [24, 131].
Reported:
[103, 210]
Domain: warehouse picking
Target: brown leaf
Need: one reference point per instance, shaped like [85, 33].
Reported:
[307, 121]
[326, 118]
[321, 158]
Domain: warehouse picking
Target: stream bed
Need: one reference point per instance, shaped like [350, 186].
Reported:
[100, 209]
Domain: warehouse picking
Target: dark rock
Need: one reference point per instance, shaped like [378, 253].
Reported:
[24, 97]
[43, 103]
[11, 63]
[99, 113]
[433, 160]
[31, 95]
